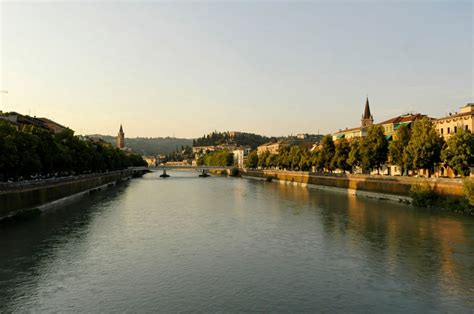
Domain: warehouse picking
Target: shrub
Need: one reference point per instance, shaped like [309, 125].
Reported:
[423, 195]
[234, 172]
[468, 184]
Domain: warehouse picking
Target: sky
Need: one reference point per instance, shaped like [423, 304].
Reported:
[269, 67]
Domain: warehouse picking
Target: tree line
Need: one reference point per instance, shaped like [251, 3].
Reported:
[186, 152]
[413, 149]
[225, 138]
[32, 152]
[217, 158]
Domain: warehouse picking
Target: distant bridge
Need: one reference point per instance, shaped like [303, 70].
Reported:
[178, 167]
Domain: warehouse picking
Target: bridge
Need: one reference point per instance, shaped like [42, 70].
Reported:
[179, 167]
[203, 170]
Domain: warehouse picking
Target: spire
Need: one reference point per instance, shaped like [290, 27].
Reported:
[367, 119]
[121, 129]
[367, 114]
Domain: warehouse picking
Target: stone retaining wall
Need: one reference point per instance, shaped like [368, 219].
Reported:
[396, 186]
[16, 200]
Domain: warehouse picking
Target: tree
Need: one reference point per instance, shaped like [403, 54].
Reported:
[397, 154]
[272, 160]
[305, 160]
[262, 159]
[252, 160]
[355, 154]
[374, 149]
[326, 153]
[295, 157]
[424, 146]
[284, 158]
[8, 152]
[459, 152]
[341, 155]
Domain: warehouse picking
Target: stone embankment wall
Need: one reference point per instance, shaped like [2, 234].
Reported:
[18, 197]
[394, 187]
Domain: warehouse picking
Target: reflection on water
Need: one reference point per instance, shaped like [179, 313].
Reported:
[221, 244]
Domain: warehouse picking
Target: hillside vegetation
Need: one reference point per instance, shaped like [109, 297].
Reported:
[150, 145]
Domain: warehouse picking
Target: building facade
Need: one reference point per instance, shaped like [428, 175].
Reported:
[449, 125]
[240, 154]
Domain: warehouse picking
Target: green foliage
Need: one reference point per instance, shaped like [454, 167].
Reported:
[234, 172]
[262, 159]
[32, 152]
[341, 156]
[288, 157]
[374, 149]
[423, 195]
[397, 152]
[355, 153]
[459, 152]
[252, 160]
[326, 154]
[226, 138]
[468, 184]
[217, 158]
[180, 154]
[424, 147]
[150, 145]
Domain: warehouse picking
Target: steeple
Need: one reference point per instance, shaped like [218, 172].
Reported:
[367, 118]
[121, 138]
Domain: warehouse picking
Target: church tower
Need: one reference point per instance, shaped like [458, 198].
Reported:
[121, 138]
[367, 118]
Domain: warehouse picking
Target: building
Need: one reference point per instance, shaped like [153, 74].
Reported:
[391, 126]
[366, 121]
[271, 147]
[51, 125]
[19, 121]
[150, 160]
[464, 119]
[240, 154]
[121, 138]
[274, 147]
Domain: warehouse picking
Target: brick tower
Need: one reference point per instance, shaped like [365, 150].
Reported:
[121, 138]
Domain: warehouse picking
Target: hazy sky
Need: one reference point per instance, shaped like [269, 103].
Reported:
[269, 67]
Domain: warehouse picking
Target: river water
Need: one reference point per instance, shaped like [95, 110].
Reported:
[225, 245]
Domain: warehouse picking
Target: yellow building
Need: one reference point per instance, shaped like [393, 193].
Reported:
[391, 126]
[272, 147]
[464, 119]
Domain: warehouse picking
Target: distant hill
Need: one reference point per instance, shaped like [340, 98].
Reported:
[150, 145]
[231, 138]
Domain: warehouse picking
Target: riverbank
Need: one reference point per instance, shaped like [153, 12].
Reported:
[389, 188]
[22, 200]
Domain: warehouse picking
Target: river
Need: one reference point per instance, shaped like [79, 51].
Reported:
[227, 244]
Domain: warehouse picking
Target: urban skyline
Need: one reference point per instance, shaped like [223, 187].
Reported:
[246, 70]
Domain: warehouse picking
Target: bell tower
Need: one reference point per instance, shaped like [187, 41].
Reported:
[367, 118]
[121, 138]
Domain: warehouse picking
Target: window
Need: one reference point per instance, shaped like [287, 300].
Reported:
[441, 130]
[455, 129]
[467, 128]
[448, 131]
